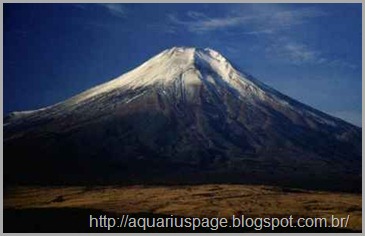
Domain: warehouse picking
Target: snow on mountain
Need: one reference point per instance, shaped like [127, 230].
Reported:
[188, 68]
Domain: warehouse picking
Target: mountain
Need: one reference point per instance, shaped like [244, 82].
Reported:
[185, 116]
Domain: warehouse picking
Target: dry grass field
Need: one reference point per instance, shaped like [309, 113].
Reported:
[195, 201]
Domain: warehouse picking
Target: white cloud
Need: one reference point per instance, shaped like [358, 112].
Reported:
[258, 22]
[297, 53]
[342, 63]
[257, 32]
[289, 18]
[196, 15]
[115, 9]
[293, 52]
[158, 27]
[79, 6]
[204, 24]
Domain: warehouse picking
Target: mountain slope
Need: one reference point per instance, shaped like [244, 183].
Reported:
[184, 116]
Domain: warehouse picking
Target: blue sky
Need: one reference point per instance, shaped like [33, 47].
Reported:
[311, 52]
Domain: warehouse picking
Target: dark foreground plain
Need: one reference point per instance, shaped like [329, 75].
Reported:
[67, 209]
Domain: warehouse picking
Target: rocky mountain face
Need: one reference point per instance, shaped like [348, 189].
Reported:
[185, 116]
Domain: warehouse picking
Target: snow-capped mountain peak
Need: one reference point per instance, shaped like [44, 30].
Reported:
[177, 75]
[190, 66]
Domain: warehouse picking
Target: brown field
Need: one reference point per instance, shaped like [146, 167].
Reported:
[195, 201]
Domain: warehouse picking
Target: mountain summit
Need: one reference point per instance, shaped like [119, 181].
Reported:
[184, 116]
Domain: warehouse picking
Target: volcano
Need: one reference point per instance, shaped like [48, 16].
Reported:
[186, 116]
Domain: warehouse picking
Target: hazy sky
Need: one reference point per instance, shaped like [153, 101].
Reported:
[311, 52]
